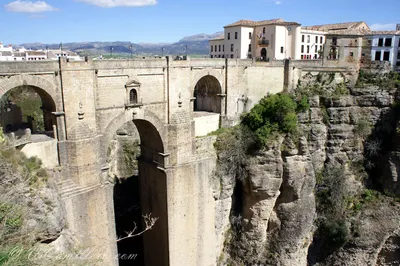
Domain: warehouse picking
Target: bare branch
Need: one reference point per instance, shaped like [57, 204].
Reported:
[149, 223]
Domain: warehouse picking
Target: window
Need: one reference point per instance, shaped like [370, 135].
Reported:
[380, 42]
[301, 57]
[321, 39]
[223, 56]
[232, 47]
[351, 54]
[281, 49]
[308, 38]
[302, 38]
[302, 48]
[236, 35]
[316, 39]
[320, 48]
[211, 56]
[308, 49]
[386, 56]
[388, 42]
[334, 40]
[264, 30]
[250, 35]
[133, 96]
[223, 48]
[219, 48]
[231, 55]
[249, 47]
[229, 35]
[212, 48]
[377, 56]
[316, 48]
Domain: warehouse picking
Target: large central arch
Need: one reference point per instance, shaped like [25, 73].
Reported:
[152, 183]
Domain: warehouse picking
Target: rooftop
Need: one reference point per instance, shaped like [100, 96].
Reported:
[338, 26]
[386, 32]
[251, 23]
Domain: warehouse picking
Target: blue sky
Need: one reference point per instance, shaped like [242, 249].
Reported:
[54, 21]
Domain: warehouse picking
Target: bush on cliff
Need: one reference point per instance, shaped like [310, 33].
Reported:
[274, 114]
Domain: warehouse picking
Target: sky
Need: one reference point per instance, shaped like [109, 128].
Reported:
[138, 21]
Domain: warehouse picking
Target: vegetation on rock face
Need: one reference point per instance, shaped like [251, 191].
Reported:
[389, 80]
[27, 210]
[131, 151]
[273, 115]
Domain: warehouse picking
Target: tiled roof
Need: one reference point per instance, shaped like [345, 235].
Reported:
[251, 23]
[386, 32]
[35, 53]
[6, 53]
[350, 32]
[222, 37]
[336, 26]
[19, 54]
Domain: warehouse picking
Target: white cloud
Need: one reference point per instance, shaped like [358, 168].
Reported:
[378, 26]
[29, 7]
[115, 3]
[278, 2]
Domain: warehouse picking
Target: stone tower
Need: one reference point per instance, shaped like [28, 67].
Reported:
[398, 26]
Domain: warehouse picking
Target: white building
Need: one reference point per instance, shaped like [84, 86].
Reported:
[217, 48]
[311, 43]
[55, 54]
[6, 53]
[264, 40]
[35, 55]
[385, 46]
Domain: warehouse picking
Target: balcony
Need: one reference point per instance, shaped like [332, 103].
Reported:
[263, 42]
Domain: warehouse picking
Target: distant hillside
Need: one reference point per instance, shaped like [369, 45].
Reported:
[195, 45]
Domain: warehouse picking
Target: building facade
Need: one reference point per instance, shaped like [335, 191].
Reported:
[385, 46]
[264, 40]
[311, 43]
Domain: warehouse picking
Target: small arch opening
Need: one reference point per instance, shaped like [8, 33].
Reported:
[133, 97]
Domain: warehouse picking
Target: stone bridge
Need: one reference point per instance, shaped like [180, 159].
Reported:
[171, 103]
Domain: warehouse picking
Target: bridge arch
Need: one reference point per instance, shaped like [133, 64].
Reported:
[43, 88]
[46, 89]
[144, 122]
[207, 93]
[149, 188]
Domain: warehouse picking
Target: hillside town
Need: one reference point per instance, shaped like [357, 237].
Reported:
[276, 39]
[9, 53]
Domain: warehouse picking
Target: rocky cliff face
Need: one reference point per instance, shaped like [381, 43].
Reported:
[271, 218]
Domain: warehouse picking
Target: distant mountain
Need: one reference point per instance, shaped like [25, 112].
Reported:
[196, 44]
[202, 37]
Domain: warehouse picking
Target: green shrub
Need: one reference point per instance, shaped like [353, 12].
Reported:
[232, 147]
[303, 104]
[273, 114]
[363, 128]
[336, 232]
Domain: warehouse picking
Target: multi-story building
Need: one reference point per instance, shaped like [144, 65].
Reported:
[264, 40]
[385, 46]
[311, 43]
[344, 41]
[217, 49]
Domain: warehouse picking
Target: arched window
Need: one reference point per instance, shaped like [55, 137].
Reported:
[133, 96]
